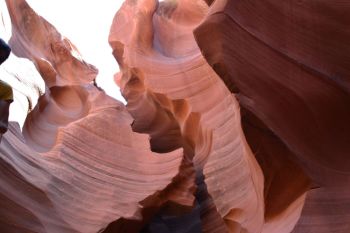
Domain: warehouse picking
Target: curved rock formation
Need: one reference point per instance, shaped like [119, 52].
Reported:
[289, 73]
[235, 123]
[288, 63]
[56, 58]
[80, 165]
[172, 92]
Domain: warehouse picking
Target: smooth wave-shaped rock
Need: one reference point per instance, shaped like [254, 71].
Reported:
[56, 58]
[236, 122]
[282, 72]
[168, 83]
[80, 166]
[288, 63]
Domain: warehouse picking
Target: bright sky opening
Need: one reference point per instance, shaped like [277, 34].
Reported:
[86, 23]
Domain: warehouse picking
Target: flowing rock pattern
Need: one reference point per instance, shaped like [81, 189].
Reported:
[168, 83]
[288, 63]
[80, 165]
[235, 122]
[276, 67]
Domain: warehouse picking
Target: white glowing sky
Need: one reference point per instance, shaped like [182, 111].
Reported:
[86, 23]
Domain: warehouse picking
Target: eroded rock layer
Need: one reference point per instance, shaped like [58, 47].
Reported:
[80, 166]
[235, 123]
[279, 59]
[288, 63]
[167, 82]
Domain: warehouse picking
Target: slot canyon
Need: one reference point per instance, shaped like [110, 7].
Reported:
[236, 121]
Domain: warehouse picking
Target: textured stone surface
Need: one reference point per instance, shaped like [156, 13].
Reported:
[173, 93]
[236, 122]
[288, 64]
[80, 166]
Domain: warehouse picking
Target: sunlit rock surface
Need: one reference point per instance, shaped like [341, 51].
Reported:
[236, 121]
[288, 64]
[176, 97]
[79, 165]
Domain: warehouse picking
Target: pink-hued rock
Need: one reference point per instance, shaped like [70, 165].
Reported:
[175, 96]
[288, 64]
[56, 58]
[80, 166]
[236, 122]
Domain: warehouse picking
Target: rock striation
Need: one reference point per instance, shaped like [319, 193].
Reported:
[288, 64]
[79, 165]
[235, 123]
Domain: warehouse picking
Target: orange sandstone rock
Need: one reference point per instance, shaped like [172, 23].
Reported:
[288, 64]
[80, 166]
[174, 95]
[236, 122]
